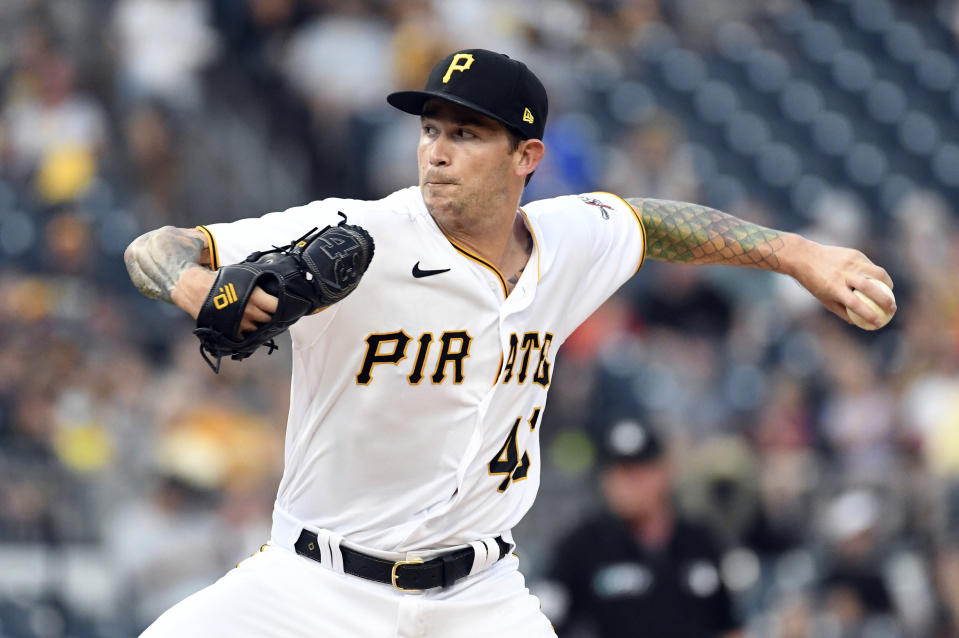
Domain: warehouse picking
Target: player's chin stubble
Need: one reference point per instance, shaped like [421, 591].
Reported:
[445, 207]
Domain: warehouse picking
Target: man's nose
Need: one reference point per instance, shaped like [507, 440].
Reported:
[439, 151]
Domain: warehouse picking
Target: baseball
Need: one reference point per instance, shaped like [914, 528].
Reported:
[885, 316]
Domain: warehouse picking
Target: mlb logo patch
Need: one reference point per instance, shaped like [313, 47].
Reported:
[603, 208]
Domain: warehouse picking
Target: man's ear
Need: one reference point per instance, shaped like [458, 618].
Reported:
[530, 154]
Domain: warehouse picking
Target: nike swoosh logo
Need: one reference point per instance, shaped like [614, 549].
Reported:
[426, 273]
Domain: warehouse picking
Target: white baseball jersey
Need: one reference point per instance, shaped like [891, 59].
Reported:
[416, 402]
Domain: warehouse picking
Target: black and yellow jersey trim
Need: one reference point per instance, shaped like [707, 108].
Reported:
[482, 262]
[211, 243]
[639, 220]
[499, 368]
[499, 275]
[529, 227]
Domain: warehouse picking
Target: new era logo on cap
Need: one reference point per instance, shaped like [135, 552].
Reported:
[487, 82]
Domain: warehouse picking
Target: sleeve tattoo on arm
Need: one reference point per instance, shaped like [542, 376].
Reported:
[156, 260]
[692, 234]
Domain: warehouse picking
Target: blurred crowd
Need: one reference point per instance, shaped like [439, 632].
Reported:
[824, 458]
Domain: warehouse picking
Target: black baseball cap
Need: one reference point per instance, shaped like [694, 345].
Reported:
[487, 82]
[629, 441]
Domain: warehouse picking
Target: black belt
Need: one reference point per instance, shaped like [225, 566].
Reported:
[405, 575]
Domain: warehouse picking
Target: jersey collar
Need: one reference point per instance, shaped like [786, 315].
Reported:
[537, 246]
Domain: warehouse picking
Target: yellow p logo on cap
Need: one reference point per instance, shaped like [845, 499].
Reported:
[456, 65]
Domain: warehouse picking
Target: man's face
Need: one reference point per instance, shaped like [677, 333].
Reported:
[465, 163]
[633, 490]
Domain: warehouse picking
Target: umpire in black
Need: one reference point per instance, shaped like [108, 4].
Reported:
[638, 569]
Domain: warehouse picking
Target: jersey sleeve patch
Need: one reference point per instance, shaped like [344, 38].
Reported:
[603, 207]
[607, 202]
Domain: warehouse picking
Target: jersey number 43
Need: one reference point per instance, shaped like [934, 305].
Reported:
[508, 461]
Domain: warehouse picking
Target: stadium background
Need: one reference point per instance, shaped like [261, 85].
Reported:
[130, 475]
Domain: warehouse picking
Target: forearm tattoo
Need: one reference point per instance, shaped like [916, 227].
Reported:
[156, 260]
[691, 234]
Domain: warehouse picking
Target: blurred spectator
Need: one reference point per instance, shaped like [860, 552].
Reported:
[858, 416]
[787, 466]
[154, 150]
[655, 161]
[53, 135]
[857, 597]
[161, 47]
[641, 565]
[186, 551]
[341, 62]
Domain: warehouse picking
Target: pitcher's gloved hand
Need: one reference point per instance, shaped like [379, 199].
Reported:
[306, 276]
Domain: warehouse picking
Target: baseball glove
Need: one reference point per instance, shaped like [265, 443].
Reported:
[311, 273]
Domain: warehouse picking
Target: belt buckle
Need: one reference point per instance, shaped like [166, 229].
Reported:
[394, 576]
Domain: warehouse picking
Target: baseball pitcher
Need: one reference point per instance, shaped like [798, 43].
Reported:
[425, 327]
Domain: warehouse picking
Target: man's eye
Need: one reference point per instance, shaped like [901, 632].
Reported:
[464, 133]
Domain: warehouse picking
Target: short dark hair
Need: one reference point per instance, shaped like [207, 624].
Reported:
[514, 140]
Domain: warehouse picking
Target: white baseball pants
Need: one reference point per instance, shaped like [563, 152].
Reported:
[277, 593]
